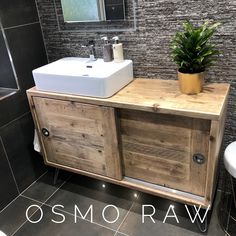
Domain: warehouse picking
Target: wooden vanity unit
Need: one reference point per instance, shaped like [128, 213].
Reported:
[147, 137]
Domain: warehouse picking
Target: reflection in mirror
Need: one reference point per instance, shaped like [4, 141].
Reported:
[96, 15]
[8, 81]
[83, 10]
[92, 10]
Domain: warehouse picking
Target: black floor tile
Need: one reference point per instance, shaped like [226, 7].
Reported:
[14, 215]
[43, 188]
[68, 228]
[162, 204]
[214, 227]
[133, 224]
[8, 190]
[83, 192]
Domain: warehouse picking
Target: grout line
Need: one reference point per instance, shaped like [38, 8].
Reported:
[9, 94]
[121, 233]
[9, 203]
[16, 119]
[16, 26]
[34, 182]
[32, 199]
[41, 206]
[117, 231]
[19, 194]
[57, 189]
[43, 203]
[124, 220]
[5, 152]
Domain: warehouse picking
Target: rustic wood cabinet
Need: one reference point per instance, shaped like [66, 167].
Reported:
[148, 137]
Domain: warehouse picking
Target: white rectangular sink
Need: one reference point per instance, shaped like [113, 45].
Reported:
[83, 77]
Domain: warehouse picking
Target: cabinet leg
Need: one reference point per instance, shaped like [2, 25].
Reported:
[56, 172]
[202, 225]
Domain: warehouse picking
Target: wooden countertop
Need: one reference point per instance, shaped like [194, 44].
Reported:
[161, 96]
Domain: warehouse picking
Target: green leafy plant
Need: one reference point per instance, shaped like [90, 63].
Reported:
[191, 49]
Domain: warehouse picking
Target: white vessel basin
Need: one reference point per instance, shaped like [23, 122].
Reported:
[83, 77]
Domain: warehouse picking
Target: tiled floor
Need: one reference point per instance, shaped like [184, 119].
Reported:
[95, 195]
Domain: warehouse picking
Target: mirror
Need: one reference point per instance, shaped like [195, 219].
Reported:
[92, 10]
[95, 15]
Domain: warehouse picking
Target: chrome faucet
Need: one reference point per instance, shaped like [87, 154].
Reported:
[90, 46]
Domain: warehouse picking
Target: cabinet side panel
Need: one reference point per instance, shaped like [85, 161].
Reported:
[199, 145]
[37, 125]
[216, 136]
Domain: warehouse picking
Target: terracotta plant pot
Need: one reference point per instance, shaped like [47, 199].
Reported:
[191, 83]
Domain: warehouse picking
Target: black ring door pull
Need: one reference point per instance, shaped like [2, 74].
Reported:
[198, 158]
[45, 132]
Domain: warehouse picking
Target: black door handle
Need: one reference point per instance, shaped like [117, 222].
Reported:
[45, 132]
[198, 158]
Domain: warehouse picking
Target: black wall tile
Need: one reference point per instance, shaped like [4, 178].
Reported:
[7, 78]
[8, 190]
[17, 12]
[12, 107]
[28, 52]
[17, 138]
[16, 127]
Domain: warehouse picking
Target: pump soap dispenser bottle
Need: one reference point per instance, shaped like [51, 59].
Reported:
[107, 50]
[117, 50]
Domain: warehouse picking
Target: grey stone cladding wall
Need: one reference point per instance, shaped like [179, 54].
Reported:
[148, 46]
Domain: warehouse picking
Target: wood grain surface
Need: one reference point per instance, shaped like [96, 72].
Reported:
[162, 96]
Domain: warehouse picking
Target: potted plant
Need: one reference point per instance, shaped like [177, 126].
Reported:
[193, 53]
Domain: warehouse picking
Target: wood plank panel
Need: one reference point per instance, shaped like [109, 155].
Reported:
[87, 126]
[78, 163]
[164, 152]
[111, 147]
[199, 145]
[155, 169]
[73, 109]
[75, 136]
[165, 130]
[79, 138]
[159, 148]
